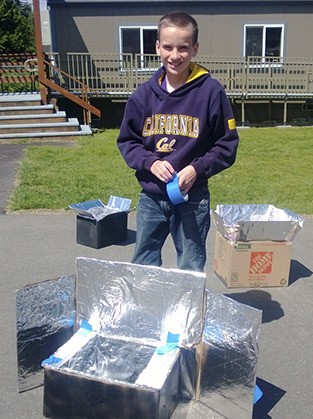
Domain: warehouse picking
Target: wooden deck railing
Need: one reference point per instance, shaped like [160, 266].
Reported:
[116, 76]
[19, 72]
[13, 75]
[120, 74]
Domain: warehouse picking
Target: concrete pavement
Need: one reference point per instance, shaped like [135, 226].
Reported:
[38, 246]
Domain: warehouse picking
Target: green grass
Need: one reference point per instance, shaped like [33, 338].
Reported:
[273, 166]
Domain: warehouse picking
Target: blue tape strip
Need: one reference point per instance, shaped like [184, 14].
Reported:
[258, 393]
[171, 343]
[51, 360]
[85, 325]
[174, 192]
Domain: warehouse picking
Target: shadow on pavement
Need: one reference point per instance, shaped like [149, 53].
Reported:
[271, 396]
[298, 271]
[131, 238]
[261, 300]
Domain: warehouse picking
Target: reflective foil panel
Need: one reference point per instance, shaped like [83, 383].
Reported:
[140, 302]
[132, 321]
[44, 321]
[230, 355]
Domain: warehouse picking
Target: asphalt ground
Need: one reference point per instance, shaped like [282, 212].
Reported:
[36, 246]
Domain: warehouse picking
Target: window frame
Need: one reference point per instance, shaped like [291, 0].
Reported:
[278, 60]
[141, 28]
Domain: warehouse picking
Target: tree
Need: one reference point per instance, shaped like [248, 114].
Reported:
[16, 27]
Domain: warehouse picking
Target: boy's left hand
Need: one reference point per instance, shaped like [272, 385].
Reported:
[186, 178]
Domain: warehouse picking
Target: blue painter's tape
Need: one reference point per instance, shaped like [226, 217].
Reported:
[171, 343]
[86, 325]
[174, 192]
[258, 393]
[51, 360]
[172, 338]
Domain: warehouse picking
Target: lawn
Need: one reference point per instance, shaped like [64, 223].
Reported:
[273, 166]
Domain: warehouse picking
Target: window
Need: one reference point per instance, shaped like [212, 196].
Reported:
[138, 40]
[264, 41]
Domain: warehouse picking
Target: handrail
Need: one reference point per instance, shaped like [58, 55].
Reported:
[47, 82]
[118, 75]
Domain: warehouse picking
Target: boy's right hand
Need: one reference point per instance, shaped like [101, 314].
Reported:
[163, 170]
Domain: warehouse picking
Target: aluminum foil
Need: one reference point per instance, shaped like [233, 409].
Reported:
[230, 356]
[110, 359]
[256, 222]
[229, 359]
[44, 321]
[140, 302]
[126, 313]
[101, 381]
[98, 210]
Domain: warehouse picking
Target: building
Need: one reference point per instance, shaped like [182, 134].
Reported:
[259, 50]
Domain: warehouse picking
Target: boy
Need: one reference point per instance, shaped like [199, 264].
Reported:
[180, 121]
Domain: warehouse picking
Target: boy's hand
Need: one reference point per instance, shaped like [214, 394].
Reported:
[163, 170]
[186, 178]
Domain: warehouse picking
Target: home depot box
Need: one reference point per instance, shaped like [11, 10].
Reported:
[249, 222]
[252, 264]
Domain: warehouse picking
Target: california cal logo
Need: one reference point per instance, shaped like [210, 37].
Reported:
[165, 146]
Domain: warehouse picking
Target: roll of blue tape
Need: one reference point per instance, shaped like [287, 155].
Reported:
[174, 192]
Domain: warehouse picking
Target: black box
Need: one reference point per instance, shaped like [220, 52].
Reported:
[98, 383]
[111, 229]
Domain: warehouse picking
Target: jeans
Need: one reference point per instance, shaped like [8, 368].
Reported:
[188, 223]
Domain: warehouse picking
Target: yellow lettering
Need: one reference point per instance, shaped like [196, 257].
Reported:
[164, 146]
[168, 124]
[146, 127]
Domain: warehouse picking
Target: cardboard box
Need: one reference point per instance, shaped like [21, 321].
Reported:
[101, 381]
[114, 366]
[99, 225]
[252, 264]
[110, 230]
[123, 362]
[251, 222]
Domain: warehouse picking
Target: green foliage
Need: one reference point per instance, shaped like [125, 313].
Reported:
[273, 166]
[16, 27]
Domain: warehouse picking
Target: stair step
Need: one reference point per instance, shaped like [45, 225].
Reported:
[83, 130]
[26, 99]
[34, 119]
[71, 125]
[22, 116]
[25, 110]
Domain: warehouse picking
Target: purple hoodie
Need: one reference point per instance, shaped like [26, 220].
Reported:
[192, 125]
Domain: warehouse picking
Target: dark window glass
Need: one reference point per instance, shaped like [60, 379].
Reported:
[131, 40]
[149, 38]
[273, 42]
[254, 37]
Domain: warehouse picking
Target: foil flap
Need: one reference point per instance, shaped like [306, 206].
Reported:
[45, 314]
[140, 302]
[256, 222]
[230, 355]
[98, 210]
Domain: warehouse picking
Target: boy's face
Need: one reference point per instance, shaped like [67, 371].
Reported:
[176, 49]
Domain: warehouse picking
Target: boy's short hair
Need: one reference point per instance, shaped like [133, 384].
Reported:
[179, 20]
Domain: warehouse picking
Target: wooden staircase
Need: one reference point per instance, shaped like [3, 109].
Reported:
[23, 117]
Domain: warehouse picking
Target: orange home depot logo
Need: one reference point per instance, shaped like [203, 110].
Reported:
[261, 263]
